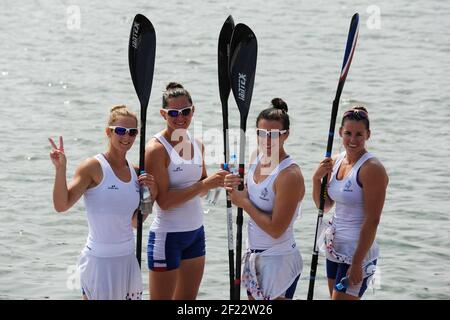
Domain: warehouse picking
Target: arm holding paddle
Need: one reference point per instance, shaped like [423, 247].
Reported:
[168, 198]
[149, 181]
[325, 168]
[221, 175]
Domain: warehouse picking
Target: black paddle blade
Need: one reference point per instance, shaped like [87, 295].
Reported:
[141, 57]
[350, 47]
[243, 53]
[223, 59]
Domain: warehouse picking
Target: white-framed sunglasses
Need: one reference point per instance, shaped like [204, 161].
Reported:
[273, 134]
[173, 113]
[121, 131]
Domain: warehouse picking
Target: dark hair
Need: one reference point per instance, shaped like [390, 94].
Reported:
[173, 90]
[357, 113]
[277, 112]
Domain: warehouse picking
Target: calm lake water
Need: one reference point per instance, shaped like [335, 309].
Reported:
[63, 64]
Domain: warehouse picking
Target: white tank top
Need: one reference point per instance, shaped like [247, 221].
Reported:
[349, 213]
[183, 173]
[262, 197]
[109, 207]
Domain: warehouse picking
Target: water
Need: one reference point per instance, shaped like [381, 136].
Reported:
[58, 78]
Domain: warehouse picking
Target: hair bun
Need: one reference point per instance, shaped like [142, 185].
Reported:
[115, 108]
[279, 103]
[174, 85]
[362, 108]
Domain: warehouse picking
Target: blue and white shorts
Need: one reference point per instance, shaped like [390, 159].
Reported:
[165, 250]
[337, 271]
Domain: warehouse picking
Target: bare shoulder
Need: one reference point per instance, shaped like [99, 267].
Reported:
[290, 185]
[90, 165]
[291, 176]
[373, 165]
[156, 156]
[373, 170]
[154, 147]
[90, 169]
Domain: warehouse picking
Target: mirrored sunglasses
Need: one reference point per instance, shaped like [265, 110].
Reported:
[120, 131]
[173, 113]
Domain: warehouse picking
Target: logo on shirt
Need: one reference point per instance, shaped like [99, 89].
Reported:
[113, 187]
[264, 194]
[348, 186]
[178, 169]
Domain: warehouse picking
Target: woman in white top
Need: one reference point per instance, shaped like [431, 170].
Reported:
[108, 266]
[176, 246]
[274, 190]
[357, 185]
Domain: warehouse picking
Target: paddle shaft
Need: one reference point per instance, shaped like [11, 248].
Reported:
[226, 153]
[348, 55]
[239, 218]
[323, 188]
[141, 169]
[229, 205]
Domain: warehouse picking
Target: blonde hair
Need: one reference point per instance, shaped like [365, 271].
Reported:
[121, 111]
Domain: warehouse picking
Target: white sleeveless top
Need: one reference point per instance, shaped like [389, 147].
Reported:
[349, 213]
[109, 207]
[183, 173]
[262, 196]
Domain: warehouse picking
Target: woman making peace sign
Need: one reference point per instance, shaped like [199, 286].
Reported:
[108, 266]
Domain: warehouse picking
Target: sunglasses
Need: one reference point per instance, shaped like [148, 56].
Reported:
[173, 113]
[355, 114]
[273, 134]
[121, 131]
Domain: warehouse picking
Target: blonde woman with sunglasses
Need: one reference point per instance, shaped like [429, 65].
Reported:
[272, 199]
[110, 185]
[357, 186]
[176, 246]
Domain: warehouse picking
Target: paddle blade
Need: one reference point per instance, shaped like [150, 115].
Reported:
[243, 53]
[350, 47]
[223, 58]
[141, 57]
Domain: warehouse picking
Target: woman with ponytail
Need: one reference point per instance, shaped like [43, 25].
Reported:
[274, 190]
[357, 186]
[176, 245]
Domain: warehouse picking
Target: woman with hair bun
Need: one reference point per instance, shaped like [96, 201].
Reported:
[176, 245]
[274, 190]
[109, 183]
[357, 185]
